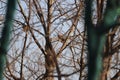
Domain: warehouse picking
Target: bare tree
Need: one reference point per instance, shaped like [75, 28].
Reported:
[49, 42]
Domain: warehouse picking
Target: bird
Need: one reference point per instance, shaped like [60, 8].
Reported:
[61, 37]
[25, 28]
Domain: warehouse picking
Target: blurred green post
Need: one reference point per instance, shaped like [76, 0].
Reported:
[96, 35]
[6, 34]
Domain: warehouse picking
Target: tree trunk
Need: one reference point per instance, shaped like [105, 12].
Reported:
[49, 64]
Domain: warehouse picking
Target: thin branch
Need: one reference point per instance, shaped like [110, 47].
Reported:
[37, 43]
[40, 14]
[22, 58]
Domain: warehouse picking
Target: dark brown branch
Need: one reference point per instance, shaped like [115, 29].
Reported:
[22, 58]
[40, 14]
